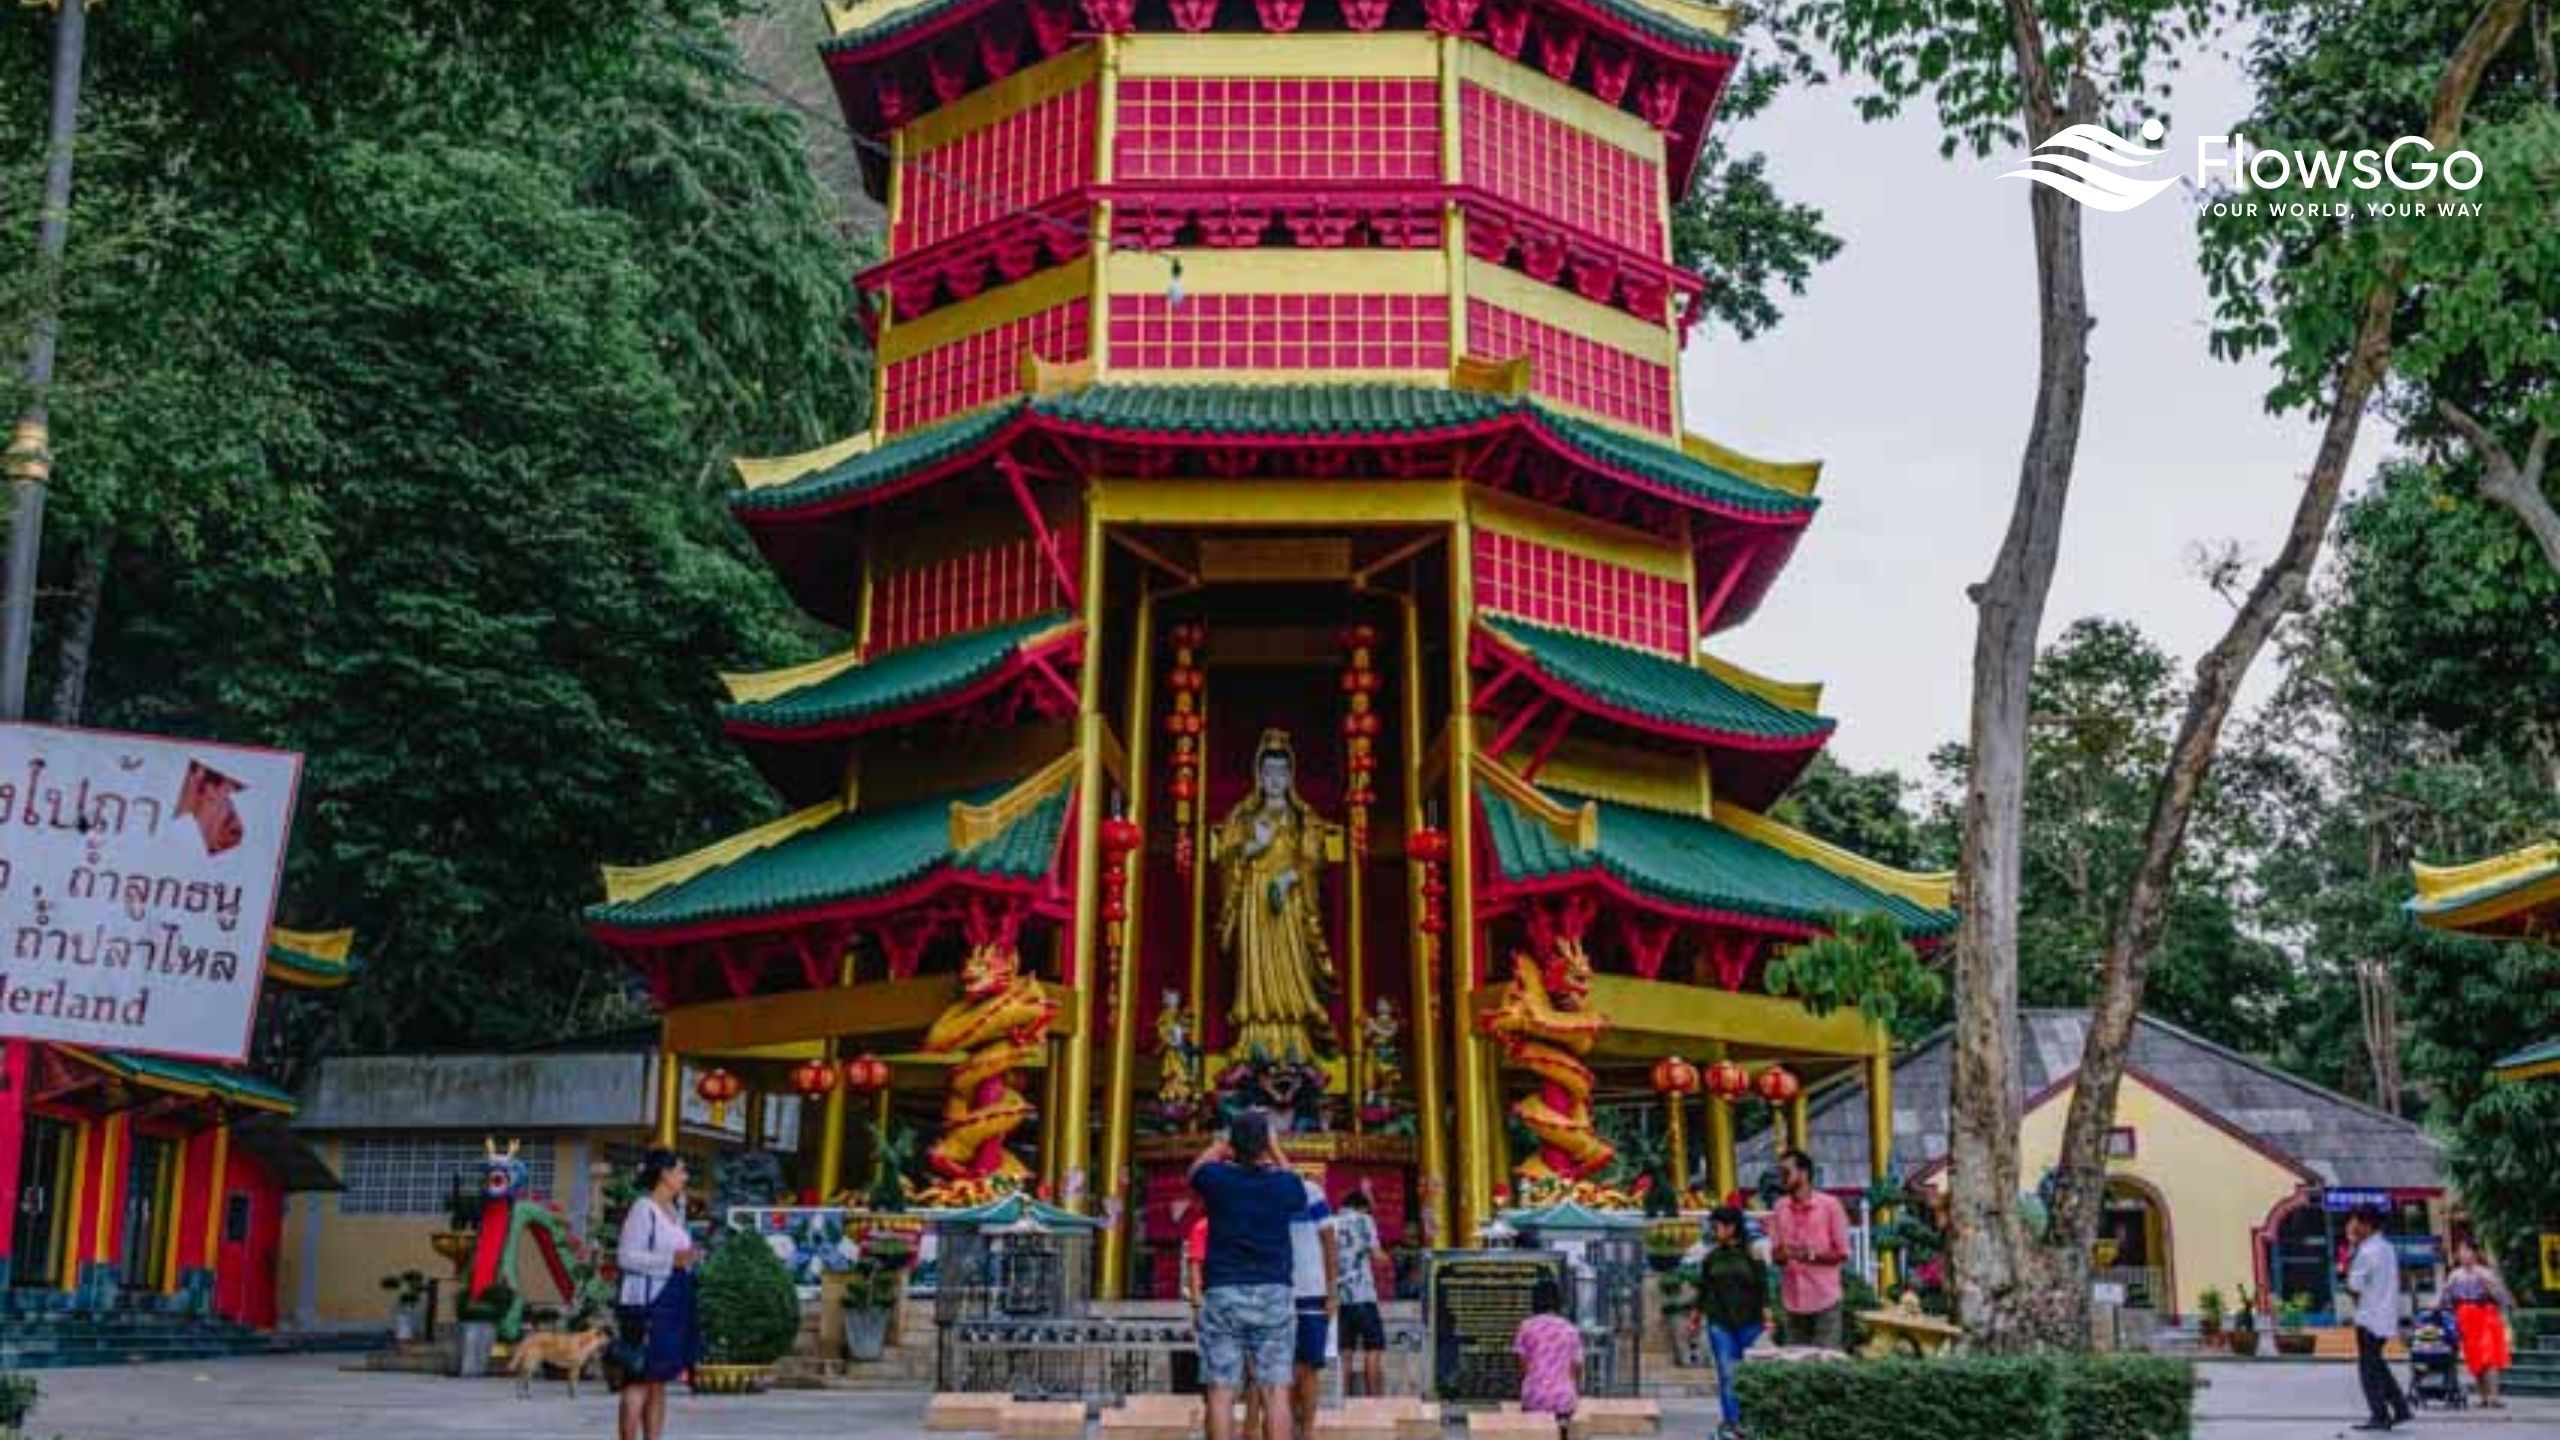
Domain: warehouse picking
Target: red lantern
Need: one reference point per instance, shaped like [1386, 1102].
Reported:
[813, 1079]
[1777, 1085]
[1674, 1076]
[1120, 836]
[1727, 1081]
[1429, 846]
[866, 1074]
[717, 1088]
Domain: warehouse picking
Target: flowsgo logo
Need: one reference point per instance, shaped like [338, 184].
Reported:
[2094, 166]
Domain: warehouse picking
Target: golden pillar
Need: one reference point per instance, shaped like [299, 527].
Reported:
[1050, 1113]
[670, 1096]
[215, 1185]
[831, 1111]
[1479, 1121]
[1075, 1085]
[1880, 1144]
[1720, 1162]
[755, 1118]
[1676, 1135]
[1423, 1016]
[1120, 1102]
[1799, 1122]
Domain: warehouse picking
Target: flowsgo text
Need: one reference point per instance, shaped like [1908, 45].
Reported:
[2408, 164]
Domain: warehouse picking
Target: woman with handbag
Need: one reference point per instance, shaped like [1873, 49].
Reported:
[654, 1321]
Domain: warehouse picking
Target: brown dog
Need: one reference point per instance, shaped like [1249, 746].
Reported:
[569, 1351]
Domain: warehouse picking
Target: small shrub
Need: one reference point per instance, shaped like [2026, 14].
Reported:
[2107, 1397]
[750, 1308]
[489, 1306]
[17, 1400]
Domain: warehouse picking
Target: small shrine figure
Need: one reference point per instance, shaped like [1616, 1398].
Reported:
[1380, 1031]
[1178, 1079]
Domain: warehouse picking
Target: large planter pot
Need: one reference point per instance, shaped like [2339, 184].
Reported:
[455, 1247]
[474, 1341]
[866, 1334]
[2297, 1342]
[731, 1379]
[407, 1321]
[2243, 1343]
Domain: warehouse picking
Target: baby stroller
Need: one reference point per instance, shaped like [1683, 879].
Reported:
[2435, 1361]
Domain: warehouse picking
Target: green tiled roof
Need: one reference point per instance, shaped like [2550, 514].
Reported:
[2531, 1057]
[894, 681]
[316, 967]
[851, 857]
[873, 469]
[1637, 17]
[1685, 860]
[1650, 685]
[222, 1080]
[1380, 410]
[1013, 1210]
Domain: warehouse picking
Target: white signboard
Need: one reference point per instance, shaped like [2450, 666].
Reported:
[138, 876]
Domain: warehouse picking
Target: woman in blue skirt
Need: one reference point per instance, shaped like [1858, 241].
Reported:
[654, 1317]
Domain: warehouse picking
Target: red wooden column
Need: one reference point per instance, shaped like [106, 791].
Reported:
[16, 1060]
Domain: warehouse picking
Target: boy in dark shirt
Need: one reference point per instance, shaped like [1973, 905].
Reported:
[1247, 1314]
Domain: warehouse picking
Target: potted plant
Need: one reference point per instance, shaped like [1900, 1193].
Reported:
[17, 1400]
[2293, 1326]
[871, 1294]
[462, 1222]
[750, 1313]
[408, 1291]
[1681, 1291]
[2210, 1312]
[2243, 1336]
[477, 1328]
[1666, 1243]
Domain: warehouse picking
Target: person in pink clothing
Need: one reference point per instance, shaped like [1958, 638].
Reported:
[1550, 1351]
[1809, 1233]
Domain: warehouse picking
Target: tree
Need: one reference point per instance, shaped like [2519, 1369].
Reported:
[1997, 76]
[1735, 229]
[1865, 811]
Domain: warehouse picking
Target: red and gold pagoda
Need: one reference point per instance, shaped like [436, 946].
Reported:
[1277, 581]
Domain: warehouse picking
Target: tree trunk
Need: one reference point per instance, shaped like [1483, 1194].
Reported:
[2081, 1169]
[2517, 486]
[80, 632]
[1992, 1260]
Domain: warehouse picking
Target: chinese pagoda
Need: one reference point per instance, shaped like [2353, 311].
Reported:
[1278, 580]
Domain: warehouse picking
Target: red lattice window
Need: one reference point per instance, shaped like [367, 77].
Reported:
[1575, 369]
[1035, 154]
[1550, 586]
[1193, 128]
[983, 368]
[1281, 332]
[967, 592]
[1555, 170]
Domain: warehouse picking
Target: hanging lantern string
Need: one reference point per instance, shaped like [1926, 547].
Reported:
[872, 145]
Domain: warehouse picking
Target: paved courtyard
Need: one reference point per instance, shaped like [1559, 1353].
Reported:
[311, 1398]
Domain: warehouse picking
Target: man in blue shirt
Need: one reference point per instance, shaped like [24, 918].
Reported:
[1247, 1317]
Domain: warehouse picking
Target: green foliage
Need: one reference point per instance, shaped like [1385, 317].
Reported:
[1734, 228]
[406, 1288]
[487, 294]
[879, 1278]
[18, 1394]
[1867, 812]
[1864, 962]
[2093, 1397]
[490, 1306]
[750, 1310]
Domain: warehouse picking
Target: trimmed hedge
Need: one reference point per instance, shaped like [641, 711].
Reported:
[2093, 1397]
[750, 1309]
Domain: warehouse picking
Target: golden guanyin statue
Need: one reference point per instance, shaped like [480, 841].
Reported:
[1270, 852]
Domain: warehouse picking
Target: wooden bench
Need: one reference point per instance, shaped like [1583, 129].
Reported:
[1510, 1423]
[957, 1410]
[1597, 1418]
[1153, 1417]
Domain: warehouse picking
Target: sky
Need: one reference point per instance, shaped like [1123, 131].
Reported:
[1908, 367]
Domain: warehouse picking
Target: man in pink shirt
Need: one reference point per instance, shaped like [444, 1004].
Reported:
[1809, 1233]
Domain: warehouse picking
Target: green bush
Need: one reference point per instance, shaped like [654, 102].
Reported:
[750, 1309]
[2104, 1397]
[17, 1400]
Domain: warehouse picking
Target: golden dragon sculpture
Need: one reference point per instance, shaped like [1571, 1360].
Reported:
[998, 1023]
[1544, 1030]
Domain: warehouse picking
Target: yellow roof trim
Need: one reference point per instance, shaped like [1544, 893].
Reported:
[1934, 891]
[626, 883]
[2518, 1074]
[975, 825]
[1044, 378]
[2446, 884]
[1802, 696]
[1796, 477]
[319, 944]
[1578, 826]
[758, 685]
[760, 474]
[1480, 375]
[1716, 20]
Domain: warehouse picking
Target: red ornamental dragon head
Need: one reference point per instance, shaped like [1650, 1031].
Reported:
[989, 970]
[1567, 973]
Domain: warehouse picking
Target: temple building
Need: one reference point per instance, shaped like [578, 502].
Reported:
[2515, 896]
[1279, 587]
[143, 1183]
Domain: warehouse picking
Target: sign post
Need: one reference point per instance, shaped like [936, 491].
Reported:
[138, 878]
[1472, 1306]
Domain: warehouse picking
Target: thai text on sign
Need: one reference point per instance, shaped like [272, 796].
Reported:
[138, 876]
